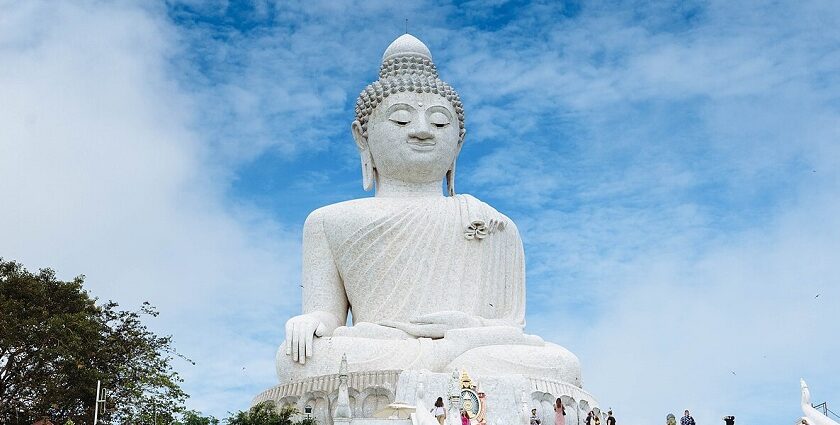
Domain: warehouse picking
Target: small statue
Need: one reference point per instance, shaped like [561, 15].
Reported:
[433, 282]
[812, 416]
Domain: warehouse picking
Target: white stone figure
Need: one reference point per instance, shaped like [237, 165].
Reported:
[433, 282]
[455, 400]
[812, 415]
[342, 408]
[422, 414]
[525, 409]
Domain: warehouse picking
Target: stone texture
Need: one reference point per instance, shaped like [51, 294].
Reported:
[435, 283]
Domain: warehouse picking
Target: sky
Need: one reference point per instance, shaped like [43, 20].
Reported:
[673, 167]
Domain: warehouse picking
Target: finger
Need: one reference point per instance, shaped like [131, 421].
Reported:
[434, 331]
[295, 339]
[405, 327]
[418, 330]
[302, 343]
[390, 324]
[310, 334]
[289, 336]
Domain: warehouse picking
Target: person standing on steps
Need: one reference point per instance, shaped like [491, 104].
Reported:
[438, 411]
[687, 419]
[534, 419]
[465, 418]
[559, 413]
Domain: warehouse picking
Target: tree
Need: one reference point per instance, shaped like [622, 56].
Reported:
[266, 413]
[56, 341]
[191, 417]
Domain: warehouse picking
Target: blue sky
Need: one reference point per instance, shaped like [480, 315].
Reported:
[674, 168]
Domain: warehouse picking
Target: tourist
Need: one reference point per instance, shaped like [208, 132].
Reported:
[610, 418]
[687, 419]
[438, 411]
[465, 418]
[559, 413]
[534, 419]
[596, 419]
[671, 419]
[588, 420]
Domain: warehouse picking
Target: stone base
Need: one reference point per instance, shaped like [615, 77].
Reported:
[509, 398]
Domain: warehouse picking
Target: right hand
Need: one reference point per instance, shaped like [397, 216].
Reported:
[300, 331]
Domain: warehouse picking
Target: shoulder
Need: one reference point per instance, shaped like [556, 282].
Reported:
[340, 211]
[340, 218]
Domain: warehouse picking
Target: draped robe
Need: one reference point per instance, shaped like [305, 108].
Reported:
[402, 257]
[394, 259]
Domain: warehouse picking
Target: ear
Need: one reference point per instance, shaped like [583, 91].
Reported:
[450, 173]
[450, 179]
[358, 135]
[368, 171]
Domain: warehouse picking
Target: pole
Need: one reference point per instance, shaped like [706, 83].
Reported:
[96, 404]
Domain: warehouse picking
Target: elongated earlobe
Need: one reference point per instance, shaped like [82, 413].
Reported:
[450, 180]
[368, 172]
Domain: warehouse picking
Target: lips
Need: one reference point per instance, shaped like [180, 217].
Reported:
[423, 145]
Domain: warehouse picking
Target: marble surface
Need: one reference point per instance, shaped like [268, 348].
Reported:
[435, 280]
[509, 398]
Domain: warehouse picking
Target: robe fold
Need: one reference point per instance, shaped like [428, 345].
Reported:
[400, 258]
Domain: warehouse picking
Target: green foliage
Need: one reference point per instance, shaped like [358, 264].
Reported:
[56, 342]
[266, 413]
[191, 417]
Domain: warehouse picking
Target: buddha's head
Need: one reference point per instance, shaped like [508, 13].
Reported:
[409, 124]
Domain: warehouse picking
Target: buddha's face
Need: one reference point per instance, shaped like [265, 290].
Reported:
[413, 137]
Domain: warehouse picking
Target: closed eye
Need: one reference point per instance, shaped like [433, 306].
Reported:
[400, 117]
[438, 119]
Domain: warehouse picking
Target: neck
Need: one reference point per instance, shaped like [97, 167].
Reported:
[387, 187]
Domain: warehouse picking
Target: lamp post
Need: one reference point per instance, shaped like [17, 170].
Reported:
[100, 398]
[308, 411]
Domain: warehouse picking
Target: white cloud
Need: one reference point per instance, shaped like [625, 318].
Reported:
[102, 174]
[691, 218]
[673, 167]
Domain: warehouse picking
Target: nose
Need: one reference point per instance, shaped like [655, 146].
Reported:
[421, 131]
[421, 134]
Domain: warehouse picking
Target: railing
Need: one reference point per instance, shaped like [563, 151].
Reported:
[823, 407]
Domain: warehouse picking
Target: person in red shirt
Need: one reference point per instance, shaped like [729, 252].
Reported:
[465, 419]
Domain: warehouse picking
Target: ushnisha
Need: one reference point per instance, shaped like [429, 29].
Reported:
[433, 282]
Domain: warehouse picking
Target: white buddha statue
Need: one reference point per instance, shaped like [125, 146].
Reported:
[433, 282]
